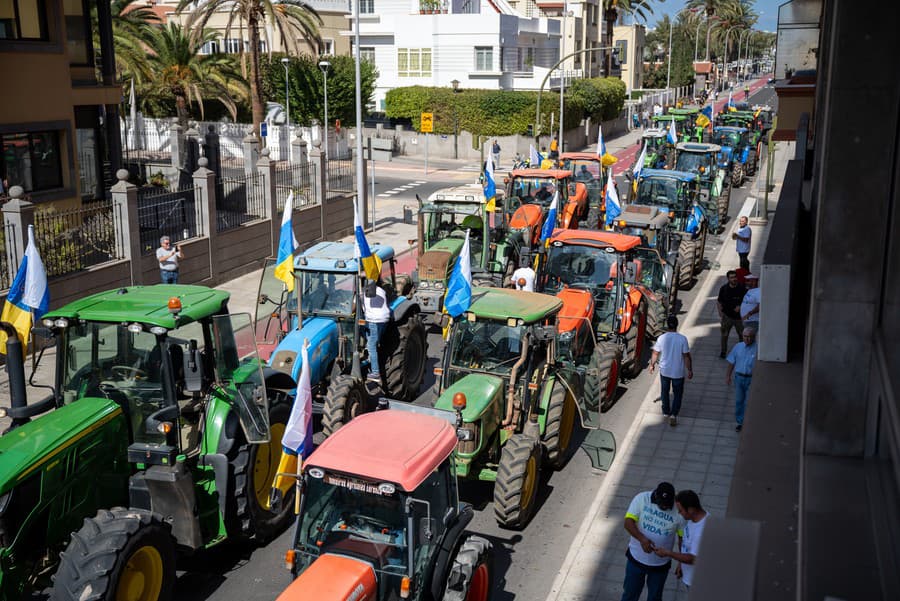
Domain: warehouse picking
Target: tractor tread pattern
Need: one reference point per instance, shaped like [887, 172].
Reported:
[686, 250]
[635, 339]
[473, 552]
[555, 455]
[398, 366]
[656, 318]
[335, 412]
[597, 381]
[511, 473]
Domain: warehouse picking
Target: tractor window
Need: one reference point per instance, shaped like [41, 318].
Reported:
[574, 265]
[327, 293]
[583, 170]
[692, 161]
[537, 190]
[435, 491]
[486, 345]
[658, 191]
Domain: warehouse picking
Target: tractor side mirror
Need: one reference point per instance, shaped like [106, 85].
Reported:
[630, 272]
[193, 369]
[427, 527]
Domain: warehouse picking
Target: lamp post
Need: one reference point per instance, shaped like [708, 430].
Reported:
[323, 65]
[360, 178]
[455, 84]
[287, 94]
[669, 60]
[697, 37]
[747, 57]
[562, 78]
[740, 44]
[725, 56]
[708, 31]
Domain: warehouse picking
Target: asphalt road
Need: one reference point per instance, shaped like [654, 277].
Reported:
[527, 561]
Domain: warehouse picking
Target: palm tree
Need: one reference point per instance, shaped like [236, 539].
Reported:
[180, 70]
[132, 22]
[294, 20]
[611, 9]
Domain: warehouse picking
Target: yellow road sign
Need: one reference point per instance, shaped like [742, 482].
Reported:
[427, 123]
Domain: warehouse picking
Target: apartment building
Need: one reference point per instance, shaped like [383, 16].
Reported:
[629, 41]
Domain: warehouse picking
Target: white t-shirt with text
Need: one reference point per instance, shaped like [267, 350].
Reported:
[672, 347]
[690, 543]
[661, 527]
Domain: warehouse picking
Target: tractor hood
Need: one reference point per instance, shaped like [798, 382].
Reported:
[577, 309]
[436, 262]
[322, 333]
[480, 391]
[28, 447]
[333, 578]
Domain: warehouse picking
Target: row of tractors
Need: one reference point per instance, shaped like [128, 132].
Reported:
[160, 436]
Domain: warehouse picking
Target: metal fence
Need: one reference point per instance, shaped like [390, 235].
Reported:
[146, 144]
[239, 200]
[73, 240]
[339, 177]
[299, 178]
[7, 271]
[174, 214]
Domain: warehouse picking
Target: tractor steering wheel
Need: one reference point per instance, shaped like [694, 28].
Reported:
[126, 372]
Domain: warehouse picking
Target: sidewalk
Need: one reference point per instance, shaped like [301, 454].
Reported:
[698, 454]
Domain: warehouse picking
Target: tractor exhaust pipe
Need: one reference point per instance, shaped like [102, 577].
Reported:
[513, 376]
[15, 370]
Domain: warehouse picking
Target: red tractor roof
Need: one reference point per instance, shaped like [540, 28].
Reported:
[621, 242]
[554, 173]
[387, 446]
[580, 156]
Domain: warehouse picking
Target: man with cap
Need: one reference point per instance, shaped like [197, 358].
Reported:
[673, 355]
[688, 504]
[750, 302]
[653, 524]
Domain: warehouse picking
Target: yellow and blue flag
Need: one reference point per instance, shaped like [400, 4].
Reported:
[29, 295]
[550, 222]
[730, 104]
[369, 261]
[490, 187]
[287, 244]
[705, 116]
[459, 287]
[297, 440]
[613, 208]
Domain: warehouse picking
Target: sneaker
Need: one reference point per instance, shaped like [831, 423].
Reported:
[672, 420]
[738, 428]
[372, 377]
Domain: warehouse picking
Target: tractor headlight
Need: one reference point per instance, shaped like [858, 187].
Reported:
[424, 284]
[439, 285]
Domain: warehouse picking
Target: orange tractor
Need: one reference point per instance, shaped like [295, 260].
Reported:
[529, 193]
[610, 285]
[587, 168]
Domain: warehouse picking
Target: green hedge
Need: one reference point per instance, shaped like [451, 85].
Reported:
[503, 113]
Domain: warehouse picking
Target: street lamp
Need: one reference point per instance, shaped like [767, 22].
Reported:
[725, 57]
[562, 76]
[740, 44]
[708, 31]
[455, 84]
[287, 93]
[747, 56]
[323, 65]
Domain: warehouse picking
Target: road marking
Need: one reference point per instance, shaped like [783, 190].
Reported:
[421, 181]
[384, 195]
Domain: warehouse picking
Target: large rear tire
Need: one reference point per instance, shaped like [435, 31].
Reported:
[471, 577]
[253, 469]
[593, 218]
[656, 318]
[686, 252]
[405, 365]
[752, 162]
[560, 425]
[345, 398]
[602, 377]
[737, 174]
[722, 205]
[518, 478]
[635, 338]
[118, 554]
[700, 249]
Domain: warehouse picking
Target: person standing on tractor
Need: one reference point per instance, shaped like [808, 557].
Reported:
[523, 277]
[673, 354]
[378, 315]
[554, 148]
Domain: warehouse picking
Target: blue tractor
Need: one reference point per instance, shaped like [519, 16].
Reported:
[326, 309]
[737, 153]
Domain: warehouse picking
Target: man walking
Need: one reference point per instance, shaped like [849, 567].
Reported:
[688, 504]
[729, 306]
[168, 258]
[495, 152]
[750, 302]
[653, 524]
[378, 314]
[673, 354]
[742, 242]
[741, 360]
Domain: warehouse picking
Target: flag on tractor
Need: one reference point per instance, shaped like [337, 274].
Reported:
[490, 187]
[369, 261]
[459, 287]
[297, 440]
[550, 223]
[613, 208]
[29, 295]
[287, 244]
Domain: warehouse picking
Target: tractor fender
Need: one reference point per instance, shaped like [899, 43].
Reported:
[278, 379]
[452, 539]
[219, 463]
[546, 393]
[632, 300]
[221, 427]
[322, 333]
[404, 307]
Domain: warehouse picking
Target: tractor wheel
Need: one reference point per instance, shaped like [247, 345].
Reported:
[700, 246]
[737, 175]
[118, 554]
[722, 206]
[471, 577]
[518, 478]
[560, 424]
[686, 251]
[635, 339]
[593, 218]
[602, 377]
[656, 318]
[405, 365]
[752, 162]
[252, 471]
[345, 399]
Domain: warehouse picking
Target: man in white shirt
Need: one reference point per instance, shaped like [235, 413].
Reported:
[523, 277]
[653, 524]
[750, 303]
[168, 258]
[378, 315]
[688, 504]
[673, 354]
[742, 237]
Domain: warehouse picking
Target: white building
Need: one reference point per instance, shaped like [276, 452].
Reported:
[482, 44]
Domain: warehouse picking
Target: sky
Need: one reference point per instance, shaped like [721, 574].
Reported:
[768, 9]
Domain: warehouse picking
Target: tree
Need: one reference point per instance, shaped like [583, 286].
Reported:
[132, 22]
[611, 10]
[190, 77]
[294, 20]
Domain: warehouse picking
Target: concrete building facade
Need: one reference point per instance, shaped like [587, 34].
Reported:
[629, 40]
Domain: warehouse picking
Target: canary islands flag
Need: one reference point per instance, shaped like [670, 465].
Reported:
[287, 244]
[638, 167]
[490, 187]
[613, 208]
[730, 104]
[672, 135]
[550, 223]
[29, 295]
[297, 440]
[694, 220]
[459, 287]
[704, 117]
[369, 261]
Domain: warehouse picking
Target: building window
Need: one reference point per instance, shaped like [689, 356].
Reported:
[234, 46]
[367, 7]
[622, 47]
[414, 62]
[484, 58]
[78, 32]
[31, 160]
[23, 20]
[367, 53]
[210, 47]
[328, 47]
[263, 46]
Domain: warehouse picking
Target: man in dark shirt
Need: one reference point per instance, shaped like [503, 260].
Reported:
[729, 305]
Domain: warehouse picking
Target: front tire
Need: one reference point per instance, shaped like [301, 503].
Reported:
[686, 261]
[518, 477]
[471, 576]
[602, 377]
[636, 337]
[118, 554]
[656, 318]
[405, 366]
[560, 425]
[345, 398]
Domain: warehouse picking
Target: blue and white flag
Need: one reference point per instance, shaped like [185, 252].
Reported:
[601, 145]
[613, 208]
[459, 288]
[534, 157]
[672, 136]
[490, 187]
[297, 440]
[694, 220]
[639, 166]
[550, 222]
[29, 295]
[730, 104]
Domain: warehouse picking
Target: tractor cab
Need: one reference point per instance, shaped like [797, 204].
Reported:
[715, 180]
[689, 132]
[684, 125]
[529, 194]
[591, 170]
[736, 151]
[672, 193]
[655, 140]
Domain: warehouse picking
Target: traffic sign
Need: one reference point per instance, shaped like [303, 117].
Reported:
[263, 129]
[427, 123]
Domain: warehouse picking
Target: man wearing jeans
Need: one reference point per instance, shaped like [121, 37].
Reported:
[168, 260]
[741, 360]
[378, 315]
[673, 354]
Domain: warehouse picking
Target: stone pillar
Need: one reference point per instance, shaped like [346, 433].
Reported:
[176, 143]
[300, 152]
[320, 180]
[266, 170]
[212, 150]
[125, 205]
[18, 214]
[205, 182]
[251, 152]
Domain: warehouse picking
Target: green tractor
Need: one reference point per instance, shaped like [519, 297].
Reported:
[659, 152]
[443, 221]
[706, 161]
[685, 129]
[161, 437]
[523, 396]
[690, 131]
